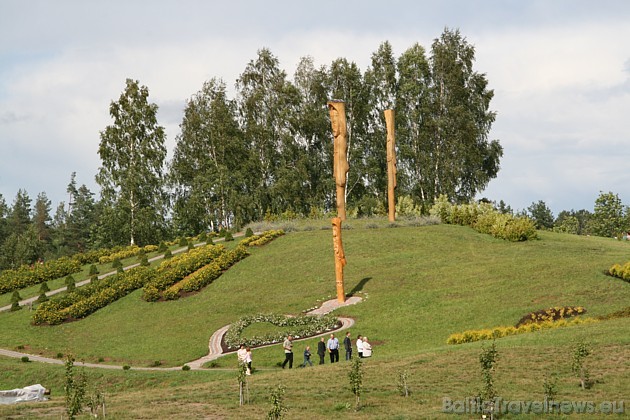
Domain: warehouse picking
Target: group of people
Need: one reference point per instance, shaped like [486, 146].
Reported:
[364, 349]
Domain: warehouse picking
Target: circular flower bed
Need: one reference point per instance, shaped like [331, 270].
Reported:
[298, 326]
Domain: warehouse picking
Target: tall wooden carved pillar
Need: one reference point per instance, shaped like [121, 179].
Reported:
[337, 111]
[340, 258]
[391, 164]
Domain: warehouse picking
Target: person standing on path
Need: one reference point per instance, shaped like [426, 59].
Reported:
[288, 352]
[321, 350]
[360, 346]
[347, 344]
[333, 348]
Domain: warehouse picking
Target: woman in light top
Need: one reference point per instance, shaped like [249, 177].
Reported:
[367, 348]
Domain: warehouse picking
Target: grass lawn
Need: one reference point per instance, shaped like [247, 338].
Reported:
[418, 284]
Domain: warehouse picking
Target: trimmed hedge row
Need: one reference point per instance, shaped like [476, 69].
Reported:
[207, 274]
[26, 276]
[130, 251]
[620, 271]
[30, 275]
[263, 238]
[92, 297]
[175, 269]
[300, 326]
[485, 219]
[499, 332]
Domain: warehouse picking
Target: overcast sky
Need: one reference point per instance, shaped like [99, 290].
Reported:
[560, 71]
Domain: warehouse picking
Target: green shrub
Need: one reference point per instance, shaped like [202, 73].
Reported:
[203, 236]
[70, 285]
[126, 367]
[249, 232]
[183, 242]
[44, 288]
[162, 247]
[144, 261]
[25, 359]
[15, 306]
[116, 264]
[93, 270]
[42, 298]
[186, 368]
[168, 254]
[228, 236]
[15, 297]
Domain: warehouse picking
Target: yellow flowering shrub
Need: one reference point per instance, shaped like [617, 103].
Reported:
[500, 332]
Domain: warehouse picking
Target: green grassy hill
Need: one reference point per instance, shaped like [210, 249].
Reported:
[419, 285]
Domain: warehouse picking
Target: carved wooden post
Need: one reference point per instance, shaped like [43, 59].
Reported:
[391, 164]
[340, 258]
[337, 111]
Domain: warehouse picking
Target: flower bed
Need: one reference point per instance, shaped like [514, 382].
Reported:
[500, 332]
[299, 327]
[177, 268]
[263, 238]
[26, 276]
[207, 274]
[551, 314]
[130, 251]
[92, 297]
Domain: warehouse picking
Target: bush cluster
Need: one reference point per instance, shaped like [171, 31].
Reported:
[207, 274]
[130, 251]
[298, 326]
[620, 271]
[177, 268]
[485, 219]
[92, 297]
[551, 314]
[25, 276]
[263, 238]
[499, 332]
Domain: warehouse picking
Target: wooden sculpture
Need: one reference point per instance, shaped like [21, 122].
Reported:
[340, 258]
[391, 164]
[337, 111]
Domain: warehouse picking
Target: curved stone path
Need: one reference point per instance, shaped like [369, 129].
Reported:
[214, 345]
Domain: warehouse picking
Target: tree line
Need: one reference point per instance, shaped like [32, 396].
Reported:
[268, 151]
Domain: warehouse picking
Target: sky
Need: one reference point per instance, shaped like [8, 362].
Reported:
[560, 71]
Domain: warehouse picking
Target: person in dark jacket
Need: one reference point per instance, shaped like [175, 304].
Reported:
[321, 350]
[347, 344]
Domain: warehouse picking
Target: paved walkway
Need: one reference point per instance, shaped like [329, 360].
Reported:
[214, 345]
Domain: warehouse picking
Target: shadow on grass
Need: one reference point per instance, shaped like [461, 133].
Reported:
[359, 286]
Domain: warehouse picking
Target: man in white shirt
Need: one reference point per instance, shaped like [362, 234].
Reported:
[360, 345]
